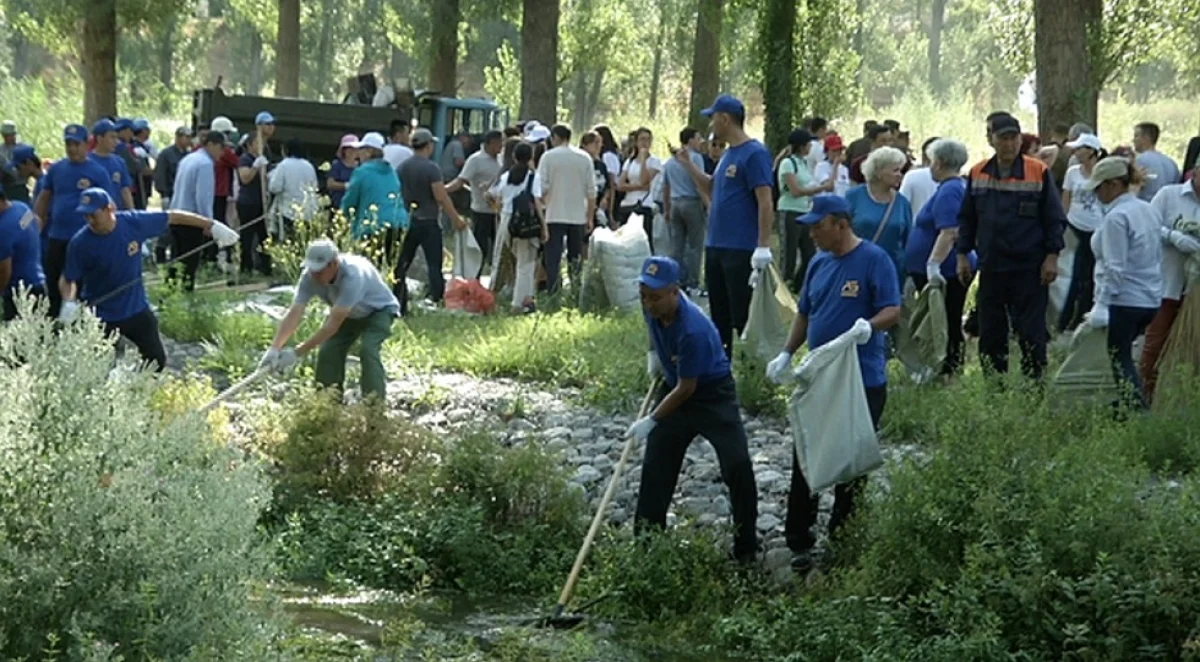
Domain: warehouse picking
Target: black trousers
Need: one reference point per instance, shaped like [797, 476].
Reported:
[142, 331]
[727, 277]
[1019, 299]
[185, 240]
[54, 262]
[797, 242]
[253, 239]
[10, 305]
[1081, 293]
[485, 235]
[573, 235]
[427, 235]
[803, 507]
[711, 412]
[956, 300]
[1125, 324]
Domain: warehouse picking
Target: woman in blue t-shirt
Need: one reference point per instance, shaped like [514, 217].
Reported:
[882, 215]
[930, 250]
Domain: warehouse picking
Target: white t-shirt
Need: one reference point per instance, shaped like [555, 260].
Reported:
[918, 186]
[824, 171]
[1085, 213]
[612, 162]
[395, 154]
[633, 171]
[295, 182]
[816, 154]
[569, 180]
[507, 192]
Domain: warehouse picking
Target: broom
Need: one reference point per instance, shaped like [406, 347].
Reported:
[1179, 363]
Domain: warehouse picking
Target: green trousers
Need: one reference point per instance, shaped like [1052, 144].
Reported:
[331, 357]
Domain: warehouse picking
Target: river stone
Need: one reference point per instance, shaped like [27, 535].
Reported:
[768, 522]
[706, 519]
[618, 516]
[720, 505]
[520, 424]
[586, 474]
[602, 462]
[582, 434]
[778, 557]
[558, 433]
[769, 480]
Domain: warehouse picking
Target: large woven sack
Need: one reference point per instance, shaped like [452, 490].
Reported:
[831, 421]
[923, 333]
[620, 256]
[592, 296]
[772, 312]
[662, 233]
[1086, 374]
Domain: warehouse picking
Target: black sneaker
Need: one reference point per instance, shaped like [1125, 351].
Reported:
[802, 562]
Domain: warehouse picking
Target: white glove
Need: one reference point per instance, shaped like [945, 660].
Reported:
[1097, 318]
[269, 358]
[224, 235]
[69, 312]
[862, 331]
[933, 273]
[642, 427]
[761, 259]
[1182, 241]
[260, 162]
[653, 365]
[286, 360]
[755, 278]
[779, 370]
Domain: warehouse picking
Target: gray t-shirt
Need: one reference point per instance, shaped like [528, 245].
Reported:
[480, 171]
[417, 176]
[1162, 167]
[450, 156]
[358, 286]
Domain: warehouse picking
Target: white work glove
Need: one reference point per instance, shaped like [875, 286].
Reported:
[862, 331]
[1097, 318]
[653, 365]
[779, 370]
[69, 312]
[642, 427]
[933, 273]
[761, 259]
[260, 162]
[269, 358]
[286, 360]
[1182, 241]
[224, 235]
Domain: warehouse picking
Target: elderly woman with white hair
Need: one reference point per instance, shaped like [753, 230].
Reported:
[930, 250]
[880, 213]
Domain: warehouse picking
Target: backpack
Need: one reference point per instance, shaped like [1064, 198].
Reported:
[524, 222]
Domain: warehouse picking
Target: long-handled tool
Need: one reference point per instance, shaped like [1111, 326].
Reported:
[560, 620]
[235, 389]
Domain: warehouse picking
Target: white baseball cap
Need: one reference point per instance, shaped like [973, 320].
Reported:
[372, 139]
[222, 124]
[1089, 140]
[319, 254]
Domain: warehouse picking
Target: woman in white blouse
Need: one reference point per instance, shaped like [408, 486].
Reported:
[1084, 215]
[294, 184]
[507, 187]
[636, 177]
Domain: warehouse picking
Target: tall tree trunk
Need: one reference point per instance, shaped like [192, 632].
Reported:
[255, 82]
[443, 61]
[777, 45]
[937, 21]
[860, 8]
[539, 60]
[706, 60]
[324, 42]
[656, 70]
[287, 55]
[579, 94]
[1065, 89]
[99, 55]
[166, 61]
[593, 99]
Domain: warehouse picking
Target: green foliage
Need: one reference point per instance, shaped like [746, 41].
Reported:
[117, 526]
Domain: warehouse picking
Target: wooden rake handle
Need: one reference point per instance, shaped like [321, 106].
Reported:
[235, 389]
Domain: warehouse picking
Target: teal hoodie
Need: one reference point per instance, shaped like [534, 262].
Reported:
[373, 200]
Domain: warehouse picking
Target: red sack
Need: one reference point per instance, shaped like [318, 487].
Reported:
[469, 295]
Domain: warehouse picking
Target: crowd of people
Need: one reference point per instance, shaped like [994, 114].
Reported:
[854, 222]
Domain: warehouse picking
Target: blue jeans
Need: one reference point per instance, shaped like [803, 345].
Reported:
[1125, 324]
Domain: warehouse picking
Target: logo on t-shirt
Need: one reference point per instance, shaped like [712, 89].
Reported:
[731, 171]
[84, 184]
[133, 248]
[850, 289]
[116, 176]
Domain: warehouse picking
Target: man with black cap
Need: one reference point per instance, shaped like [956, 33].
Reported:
[361, 306]
[1013, 219]
[700, 400]
[58, 201]
[851, 286]
[106, 257]
[425, 192]
[25, 164]
[741, 217]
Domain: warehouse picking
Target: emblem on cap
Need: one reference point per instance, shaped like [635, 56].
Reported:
[652, 269]
[87, 199]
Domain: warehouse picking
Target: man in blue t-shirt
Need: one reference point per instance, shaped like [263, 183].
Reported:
[57, 202]
[702, 400]
[741, 217]
[106, 257]
[119, 183]
[851, 286]
[20, 253]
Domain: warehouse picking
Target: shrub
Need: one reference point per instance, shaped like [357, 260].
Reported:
[117, 525]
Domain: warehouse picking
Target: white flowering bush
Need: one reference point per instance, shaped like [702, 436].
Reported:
[124, 533]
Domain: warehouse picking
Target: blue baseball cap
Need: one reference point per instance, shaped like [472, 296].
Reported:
[264, 118]
[103, 126]
[659, 272]
[123, 123]
[824, 205]
[75, 133]
[23, 153]
[93, 200]
[725, 104]
[141, 124]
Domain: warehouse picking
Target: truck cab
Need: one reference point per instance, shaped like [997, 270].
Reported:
[446, 117]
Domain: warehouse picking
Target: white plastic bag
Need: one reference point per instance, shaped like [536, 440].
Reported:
[662, 235]
[831, 421]
[468, 256]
